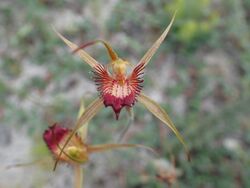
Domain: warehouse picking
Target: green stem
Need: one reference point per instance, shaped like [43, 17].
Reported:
[78, 176]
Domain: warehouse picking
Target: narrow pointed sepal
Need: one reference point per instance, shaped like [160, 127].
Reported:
[149, 54]
[84, 55]
[160, 113]
[42, 161]
[106, 147]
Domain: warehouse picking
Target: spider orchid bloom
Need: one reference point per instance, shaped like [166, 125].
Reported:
[76, 150]
[117, 88]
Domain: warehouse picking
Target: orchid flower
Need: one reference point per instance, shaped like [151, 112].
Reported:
[77, 150]
[118, 88]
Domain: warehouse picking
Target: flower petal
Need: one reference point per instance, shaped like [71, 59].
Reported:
[88, 114]
[105, 147]
[83, 130]
[110, 50]
[56, 136]
[160, 113]
[84, 55]
[149, 54]
[117, 93]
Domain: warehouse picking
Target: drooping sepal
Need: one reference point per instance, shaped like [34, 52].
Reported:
[162, 115]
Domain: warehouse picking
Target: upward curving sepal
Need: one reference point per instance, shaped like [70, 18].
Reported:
[149, 54]
[84, 55]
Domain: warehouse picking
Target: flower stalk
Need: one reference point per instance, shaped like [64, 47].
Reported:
[78, 176]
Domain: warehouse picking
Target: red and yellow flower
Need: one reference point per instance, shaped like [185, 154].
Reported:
[77, 150]
[117, 87]
[72, 147]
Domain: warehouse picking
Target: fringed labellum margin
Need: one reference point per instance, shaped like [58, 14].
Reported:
[116, 92]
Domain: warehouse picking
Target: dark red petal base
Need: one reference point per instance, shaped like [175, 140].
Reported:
[117, 103]
[114, 93]
[53, 136]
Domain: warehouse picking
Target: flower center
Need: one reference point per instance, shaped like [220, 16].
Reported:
[119, 68]
[76, 153]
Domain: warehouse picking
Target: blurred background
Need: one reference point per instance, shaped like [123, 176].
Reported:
[200, 75]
